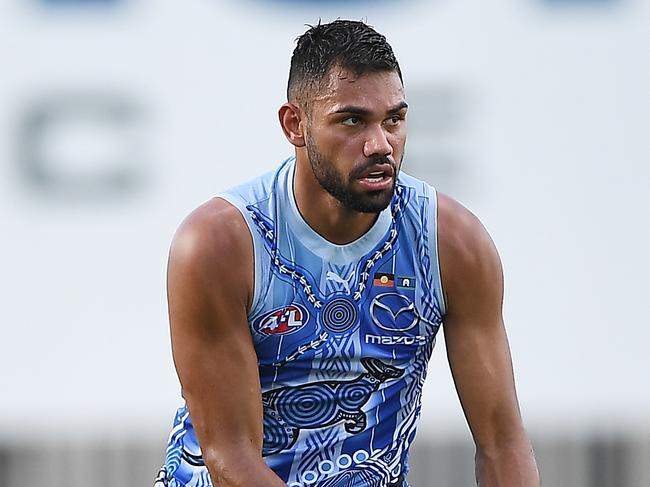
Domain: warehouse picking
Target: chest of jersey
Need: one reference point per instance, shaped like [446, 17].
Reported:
[320, 318]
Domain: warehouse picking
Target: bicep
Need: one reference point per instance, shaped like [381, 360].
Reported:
[211, 343]
[475, 336]
[218, 373]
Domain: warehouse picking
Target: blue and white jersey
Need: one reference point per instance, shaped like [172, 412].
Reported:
[343, 334]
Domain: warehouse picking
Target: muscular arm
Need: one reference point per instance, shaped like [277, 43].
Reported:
[477, 349]
[209, 285]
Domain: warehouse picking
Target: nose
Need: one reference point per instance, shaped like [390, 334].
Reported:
[377, 143]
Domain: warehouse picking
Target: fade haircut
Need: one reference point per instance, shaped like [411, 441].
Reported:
[346, 44]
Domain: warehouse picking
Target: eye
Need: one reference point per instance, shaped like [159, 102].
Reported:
[351, 121]
[395, 120]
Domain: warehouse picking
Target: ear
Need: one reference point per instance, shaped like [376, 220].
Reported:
[292, 123]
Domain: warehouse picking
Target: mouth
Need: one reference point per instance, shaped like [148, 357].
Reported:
[378, 177]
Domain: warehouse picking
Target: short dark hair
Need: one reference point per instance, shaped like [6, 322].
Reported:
[347, 44]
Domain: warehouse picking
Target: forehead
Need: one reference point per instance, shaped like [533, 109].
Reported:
[375, 91]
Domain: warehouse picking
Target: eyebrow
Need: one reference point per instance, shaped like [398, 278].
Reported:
[364, 111]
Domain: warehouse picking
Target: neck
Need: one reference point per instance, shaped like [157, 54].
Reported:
[326, 215]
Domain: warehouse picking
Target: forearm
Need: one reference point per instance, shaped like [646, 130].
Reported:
[508, 465]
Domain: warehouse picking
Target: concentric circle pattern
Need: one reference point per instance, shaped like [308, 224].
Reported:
[309, 406]
[276, 435]
[352, 396]
[339, 315]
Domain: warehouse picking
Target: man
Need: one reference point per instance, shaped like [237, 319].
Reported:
[304, 305]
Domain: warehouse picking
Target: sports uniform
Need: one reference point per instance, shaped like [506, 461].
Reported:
[343, 334]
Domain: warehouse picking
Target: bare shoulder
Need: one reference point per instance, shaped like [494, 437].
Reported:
[469, 260]
[213, 227]
[460, 232]
[212, 246]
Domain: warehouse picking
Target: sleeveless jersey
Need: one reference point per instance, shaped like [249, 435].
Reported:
[343, 334]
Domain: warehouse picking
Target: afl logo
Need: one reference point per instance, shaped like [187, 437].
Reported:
[282, 321]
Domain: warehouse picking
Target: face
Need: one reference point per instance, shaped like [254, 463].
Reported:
[355, 137]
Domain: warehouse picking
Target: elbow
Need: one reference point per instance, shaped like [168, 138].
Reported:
[504, 447]
[508, 462]
[503, 442]
[235, 468]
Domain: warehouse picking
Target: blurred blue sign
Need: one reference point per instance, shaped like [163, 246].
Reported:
[580, 2]
[325, 2]
[55, 3]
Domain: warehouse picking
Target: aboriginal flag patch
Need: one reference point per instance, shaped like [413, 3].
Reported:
[384, 280]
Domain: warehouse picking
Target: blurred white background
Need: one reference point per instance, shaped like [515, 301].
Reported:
[117, 117]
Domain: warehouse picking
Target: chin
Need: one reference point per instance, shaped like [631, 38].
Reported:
[374, 203]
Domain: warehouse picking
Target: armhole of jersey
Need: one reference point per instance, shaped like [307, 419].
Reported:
[433, 247]
[257, 250]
